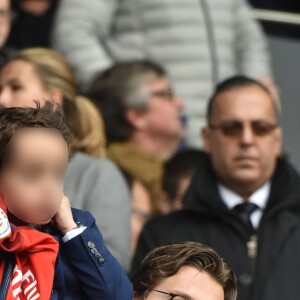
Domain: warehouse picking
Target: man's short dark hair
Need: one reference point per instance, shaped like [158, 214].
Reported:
[179, 166]
[14, 118]
[165, 261]
[233, 83]
[119, 88]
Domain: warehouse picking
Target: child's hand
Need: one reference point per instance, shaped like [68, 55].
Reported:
[64, 218]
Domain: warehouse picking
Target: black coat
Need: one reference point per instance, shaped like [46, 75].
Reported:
[275, 273]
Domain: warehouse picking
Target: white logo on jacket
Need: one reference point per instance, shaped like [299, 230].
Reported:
[27, 282]
[4, 225]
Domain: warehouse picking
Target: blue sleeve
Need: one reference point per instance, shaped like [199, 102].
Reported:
[99, 273]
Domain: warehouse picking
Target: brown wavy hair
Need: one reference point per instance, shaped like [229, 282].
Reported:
[165, 261]
[14, 118]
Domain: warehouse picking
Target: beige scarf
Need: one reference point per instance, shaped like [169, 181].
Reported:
[140, 164]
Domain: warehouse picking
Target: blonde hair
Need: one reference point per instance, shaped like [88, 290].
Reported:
[80, 113]
[92, 139]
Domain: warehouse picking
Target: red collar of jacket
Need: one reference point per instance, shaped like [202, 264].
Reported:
[35, 256]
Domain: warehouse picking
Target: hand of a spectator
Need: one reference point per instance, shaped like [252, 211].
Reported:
[63, 219]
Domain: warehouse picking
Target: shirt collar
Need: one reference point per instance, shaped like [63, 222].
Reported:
[259, 197]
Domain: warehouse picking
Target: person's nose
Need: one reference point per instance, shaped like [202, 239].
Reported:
[5, 97]
[178, 102]
[247, 135]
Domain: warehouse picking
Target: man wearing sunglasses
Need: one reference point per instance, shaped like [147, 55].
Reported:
[244, 200]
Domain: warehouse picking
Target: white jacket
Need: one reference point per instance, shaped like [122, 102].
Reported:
[199, 43]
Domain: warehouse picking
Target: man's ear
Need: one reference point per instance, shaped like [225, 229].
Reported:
[278, 137]
[136, 117]
[206, 136]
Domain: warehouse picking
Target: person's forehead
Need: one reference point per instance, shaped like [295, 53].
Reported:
[18, 69]
[17, 64]
[38, 140]
[190, 280]
[158, 82]
[4, 4]
[244, 101]
[184, 275]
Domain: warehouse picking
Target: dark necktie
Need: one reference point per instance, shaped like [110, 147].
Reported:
[244, 211]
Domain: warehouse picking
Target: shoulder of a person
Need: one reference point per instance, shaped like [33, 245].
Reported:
[91, 162]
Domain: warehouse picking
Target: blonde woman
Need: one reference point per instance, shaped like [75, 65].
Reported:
[92, 183]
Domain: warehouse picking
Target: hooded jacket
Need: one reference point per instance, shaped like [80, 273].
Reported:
[273, 272]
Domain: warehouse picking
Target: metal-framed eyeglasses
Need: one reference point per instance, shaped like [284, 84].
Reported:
[165, 94]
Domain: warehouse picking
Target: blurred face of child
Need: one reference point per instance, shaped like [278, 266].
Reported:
[32, 177]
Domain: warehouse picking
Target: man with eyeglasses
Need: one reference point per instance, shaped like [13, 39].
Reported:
[244, 200]
[184, 271]
[199, 42]
[142, 119]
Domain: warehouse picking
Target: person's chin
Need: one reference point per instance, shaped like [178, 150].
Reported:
[246, 174]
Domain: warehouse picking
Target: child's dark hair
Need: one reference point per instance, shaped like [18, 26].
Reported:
[166, 260]
[45, 116]
[179, 166]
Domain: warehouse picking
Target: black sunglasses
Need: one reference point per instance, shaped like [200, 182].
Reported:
[235, 128]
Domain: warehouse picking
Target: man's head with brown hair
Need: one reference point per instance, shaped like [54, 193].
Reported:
[138, 106]
[34, 151]
[189, 270]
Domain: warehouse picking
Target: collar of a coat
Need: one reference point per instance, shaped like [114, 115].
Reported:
[203, 195]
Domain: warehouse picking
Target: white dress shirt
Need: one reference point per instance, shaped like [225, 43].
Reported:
[72, 233]
[259, 197]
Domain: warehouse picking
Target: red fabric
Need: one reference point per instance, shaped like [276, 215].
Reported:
[35, 254]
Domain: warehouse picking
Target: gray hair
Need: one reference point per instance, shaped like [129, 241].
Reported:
[121, 87]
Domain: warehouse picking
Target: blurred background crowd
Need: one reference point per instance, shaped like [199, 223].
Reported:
[133, 79]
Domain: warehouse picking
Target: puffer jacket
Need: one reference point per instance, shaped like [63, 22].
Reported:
[199, 42]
